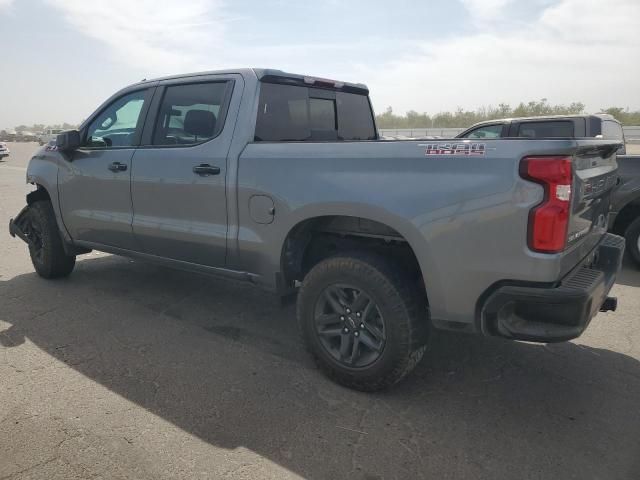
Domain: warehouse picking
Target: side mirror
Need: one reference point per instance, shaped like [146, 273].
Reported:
[68, 141]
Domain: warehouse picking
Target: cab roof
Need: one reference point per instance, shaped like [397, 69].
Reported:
[603, 116]
[273, 76]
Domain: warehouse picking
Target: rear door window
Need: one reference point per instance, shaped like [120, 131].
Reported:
[546, 129]
[294, 113]
[191, 113]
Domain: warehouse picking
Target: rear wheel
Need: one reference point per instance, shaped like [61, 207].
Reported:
[45, 247]
[632, 236]
[364, 322]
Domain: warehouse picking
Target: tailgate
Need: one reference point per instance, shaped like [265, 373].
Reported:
[595, 177]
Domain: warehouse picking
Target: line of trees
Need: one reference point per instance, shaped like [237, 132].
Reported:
[463, 118]
[41, 127]
[459, 119]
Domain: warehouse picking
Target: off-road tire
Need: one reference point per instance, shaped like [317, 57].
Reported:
[50, 261]
[632, 236]
[400, 302]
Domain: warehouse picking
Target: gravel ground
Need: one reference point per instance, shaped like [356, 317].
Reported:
[127, 370]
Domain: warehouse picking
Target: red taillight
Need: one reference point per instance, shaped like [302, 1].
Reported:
[549, 221]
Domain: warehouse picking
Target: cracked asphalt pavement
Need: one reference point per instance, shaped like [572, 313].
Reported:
[129, 370]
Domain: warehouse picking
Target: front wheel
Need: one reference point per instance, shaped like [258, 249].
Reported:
[45, 246]
[632, 237]
[363, 320]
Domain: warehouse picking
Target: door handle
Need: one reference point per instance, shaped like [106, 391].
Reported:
[117, 167]
[205, 169]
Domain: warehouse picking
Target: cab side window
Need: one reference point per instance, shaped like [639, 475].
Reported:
[119, 124]
[611, 129]
[486, 131]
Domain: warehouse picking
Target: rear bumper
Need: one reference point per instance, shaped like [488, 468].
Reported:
[558, 312]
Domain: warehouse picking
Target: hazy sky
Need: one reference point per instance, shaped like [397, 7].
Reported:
[60, 58]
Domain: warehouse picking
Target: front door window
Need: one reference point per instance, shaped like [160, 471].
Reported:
[119, 124]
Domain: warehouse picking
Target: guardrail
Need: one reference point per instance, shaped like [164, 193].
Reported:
[420, 132]
[631, 133]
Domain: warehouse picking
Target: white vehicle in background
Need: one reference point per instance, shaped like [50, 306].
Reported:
[48, 135]
[4, 150]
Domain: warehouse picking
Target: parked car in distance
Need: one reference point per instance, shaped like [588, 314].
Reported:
[7, 136]
[48, 135]
[600, 125]
[4, 150]
[280, 180]
[625, 203]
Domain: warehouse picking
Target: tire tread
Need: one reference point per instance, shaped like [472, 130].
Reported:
[56, 263]
[631, 235]
[408, 301]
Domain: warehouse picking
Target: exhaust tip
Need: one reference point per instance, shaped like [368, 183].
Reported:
[610, 304]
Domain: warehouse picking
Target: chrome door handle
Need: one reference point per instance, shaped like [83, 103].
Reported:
[205, 169]
[117, 167]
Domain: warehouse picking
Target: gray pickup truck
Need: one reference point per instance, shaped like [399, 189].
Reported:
[280, 180]
[625, 202]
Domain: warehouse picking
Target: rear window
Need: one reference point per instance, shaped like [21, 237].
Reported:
[288, 113]
[561, 128]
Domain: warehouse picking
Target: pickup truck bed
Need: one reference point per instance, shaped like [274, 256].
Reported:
[459, 212]
[279, 179]
[625, 202]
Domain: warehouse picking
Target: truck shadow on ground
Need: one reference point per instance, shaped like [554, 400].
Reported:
[222, 361]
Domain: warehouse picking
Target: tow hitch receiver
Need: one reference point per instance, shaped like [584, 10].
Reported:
[610, 304]
[18, 225]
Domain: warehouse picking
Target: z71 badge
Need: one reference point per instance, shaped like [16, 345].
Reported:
[455, 149]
